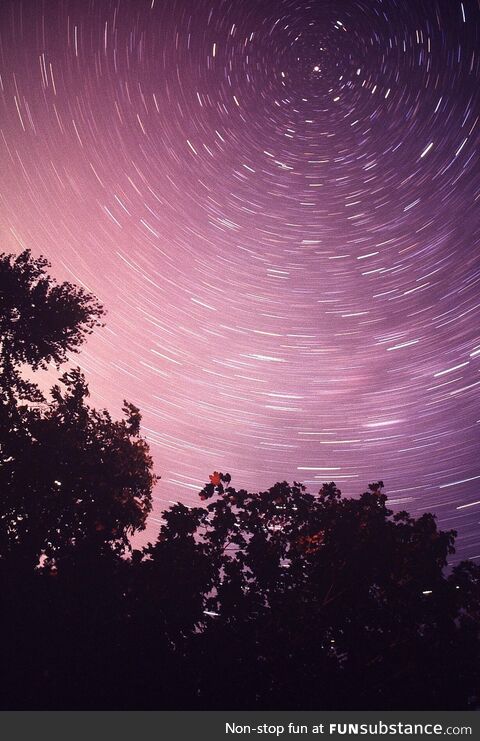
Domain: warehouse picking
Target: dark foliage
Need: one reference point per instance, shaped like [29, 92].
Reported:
[275, 600]
[74, 485]
[41, 320]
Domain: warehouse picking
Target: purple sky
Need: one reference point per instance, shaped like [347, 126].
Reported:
[277, 202]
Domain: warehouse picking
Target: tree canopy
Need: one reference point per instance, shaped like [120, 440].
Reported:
[324, 601]
[70, 476]
[278, 599]
[41, 320]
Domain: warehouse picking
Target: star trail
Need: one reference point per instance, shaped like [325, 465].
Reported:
[277, 202]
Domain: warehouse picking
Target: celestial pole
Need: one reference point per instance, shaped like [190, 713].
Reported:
[277, 202]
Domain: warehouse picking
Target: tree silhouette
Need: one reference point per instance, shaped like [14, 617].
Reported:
[70, 476]
[41, 321]
[322, 601]
[280, 599]
[74, 486]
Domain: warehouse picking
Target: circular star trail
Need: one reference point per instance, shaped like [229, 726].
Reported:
[277, 202]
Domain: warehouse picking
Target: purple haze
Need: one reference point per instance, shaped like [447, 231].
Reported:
[277, 202]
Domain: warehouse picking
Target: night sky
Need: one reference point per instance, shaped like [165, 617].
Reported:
[277, 202]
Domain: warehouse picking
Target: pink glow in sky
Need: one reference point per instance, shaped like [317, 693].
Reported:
[277, 202]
